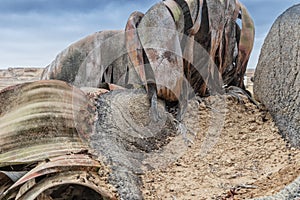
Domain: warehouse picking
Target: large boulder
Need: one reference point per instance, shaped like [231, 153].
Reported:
[277, 76]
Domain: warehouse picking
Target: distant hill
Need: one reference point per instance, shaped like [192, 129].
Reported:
[12, 76]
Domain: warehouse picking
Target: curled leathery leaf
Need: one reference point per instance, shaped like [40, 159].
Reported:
[134, 46]
[230, 39]
[13, 175]
[197, 17]
[161, 43]
[43, 119]
[245, 44]
[61, 172]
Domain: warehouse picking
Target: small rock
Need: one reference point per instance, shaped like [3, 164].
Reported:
[253, 128]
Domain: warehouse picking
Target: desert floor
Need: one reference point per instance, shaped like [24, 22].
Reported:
[249, 159]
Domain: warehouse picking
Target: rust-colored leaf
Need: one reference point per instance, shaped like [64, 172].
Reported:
[245, 44]
[86, 179]
[160, 39]
[230, 40]
[216, 17]
[59, 164]
[134, 46]
[198, 6]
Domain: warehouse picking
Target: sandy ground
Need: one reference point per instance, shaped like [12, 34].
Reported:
[249, 159]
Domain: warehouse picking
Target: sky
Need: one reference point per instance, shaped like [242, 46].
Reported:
[33, 32]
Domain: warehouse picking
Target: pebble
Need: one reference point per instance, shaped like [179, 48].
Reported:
[244, 137]
[274, 130]
[253, 128]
